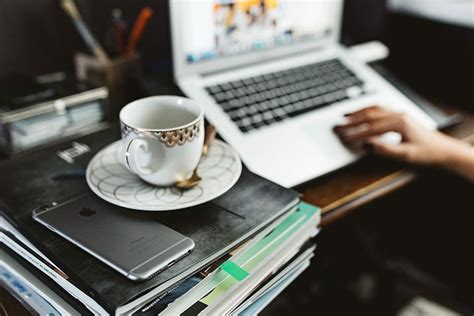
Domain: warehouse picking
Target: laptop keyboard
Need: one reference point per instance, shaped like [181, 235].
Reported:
[263, 100]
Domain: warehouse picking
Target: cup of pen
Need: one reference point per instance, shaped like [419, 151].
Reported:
[162, 138]
[121, 73]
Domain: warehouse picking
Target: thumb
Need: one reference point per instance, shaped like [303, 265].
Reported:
[398, 151]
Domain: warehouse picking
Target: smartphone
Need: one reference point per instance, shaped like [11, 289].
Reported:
[129, 241]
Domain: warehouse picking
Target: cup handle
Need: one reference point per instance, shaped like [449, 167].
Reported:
[130, 150]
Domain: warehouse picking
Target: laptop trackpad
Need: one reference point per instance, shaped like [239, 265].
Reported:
[287, 156]
[321, 134]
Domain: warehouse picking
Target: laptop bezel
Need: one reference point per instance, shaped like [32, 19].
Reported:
[181, 68]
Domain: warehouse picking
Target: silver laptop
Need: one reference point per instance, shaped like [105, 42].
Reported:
[274, 80]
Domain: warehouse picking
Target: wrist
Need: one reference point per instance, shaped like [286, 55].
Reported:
[445, 151]
[459, 157]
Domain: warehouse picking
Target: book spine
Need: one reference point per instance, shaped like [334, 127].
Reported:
[92, 305]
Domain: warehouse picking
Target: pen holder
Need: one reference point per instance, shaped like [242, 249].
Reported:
[120, 75]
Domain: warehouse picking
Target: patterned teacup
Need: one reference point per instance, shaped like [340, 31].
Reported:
[162, 138]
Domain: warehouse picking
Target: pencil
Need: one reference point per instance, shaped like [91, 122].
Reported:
[138, 28]
[71, 9]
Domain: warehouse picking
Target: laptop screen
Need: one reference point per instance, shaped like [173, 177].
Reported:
[220, 28]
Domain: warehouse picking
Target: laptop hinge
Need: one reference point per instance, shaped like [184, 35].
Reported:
[216, 72]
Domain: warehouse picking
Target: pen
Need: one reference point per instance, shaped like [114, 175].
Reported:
[138, 28]
[119, 30]
[71, 9]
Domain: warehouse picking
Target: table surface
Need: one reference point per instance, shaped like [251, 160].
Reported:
[341, 192]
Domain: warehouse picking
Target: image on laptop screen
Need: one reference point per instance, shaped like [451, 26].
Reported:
[224, 28]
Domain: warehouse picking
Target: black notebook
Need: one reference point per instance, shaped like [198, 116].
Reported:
[216, 227]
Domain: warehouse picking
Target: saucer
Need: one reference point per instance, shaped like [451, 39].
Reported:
[110, 180]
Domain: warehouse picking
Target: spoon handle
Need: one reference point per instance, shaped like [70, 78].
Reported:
[209, 136]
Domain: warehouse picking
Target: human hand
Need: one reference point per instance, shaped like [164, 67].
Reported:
[419, 144]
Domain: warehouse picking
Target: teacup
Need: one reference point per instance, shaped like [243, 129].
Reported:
[162, 138]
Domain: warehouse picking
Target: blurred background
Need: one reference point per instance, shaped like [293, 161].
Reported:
[370, 263]
[431, 42]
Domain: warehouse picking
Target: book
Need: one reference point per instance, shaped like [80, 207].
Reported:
[33, 289]
[216, 227]
[278, 241]
[265, 295]
[225, 288]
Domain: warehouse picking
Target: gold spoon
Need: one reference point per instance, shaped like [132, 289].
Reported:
[195, 178]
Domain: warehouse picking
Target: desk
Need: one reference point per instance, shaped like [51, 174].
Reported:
[340, 193]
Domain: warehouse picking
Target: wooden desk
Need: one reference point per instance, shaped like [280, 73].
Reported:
[338, 194]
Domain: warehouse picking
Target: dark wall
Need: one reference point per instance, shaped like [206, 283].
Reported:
[436, 58]
[37, 37]
[364, 20]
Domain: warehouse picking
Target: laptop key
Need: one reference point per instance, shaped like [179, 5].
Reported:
[213, 90]
[260, 97]
[269, 94]
[240, 92]
[250, 90]
[267, 116]
[235, 104]
[252, 99]
[308, 103]
[226, 86]
[279, 112]
[289, 108]
[226, 106]
[298, 106]
[252, 109]
[257, 118]
[247, 81]
[220, 97]
[268, 76]
[258, 79]
[340, 95]
[245, 121]
[305, 110]
[237, 84]
[283, 101]
[230, 95]
[244, 129]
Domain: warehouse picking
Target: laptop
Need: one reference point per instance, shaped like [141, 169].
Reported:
[274, 80]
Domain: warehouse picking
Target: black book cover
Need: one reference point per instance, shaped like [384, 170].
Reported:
[42, 177]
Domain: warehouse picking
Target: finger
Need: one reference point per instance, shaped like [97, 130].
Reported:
[374, 107]
[365, 112]
[371, 129]
[357, 122]
[361, 117]
[399, 151]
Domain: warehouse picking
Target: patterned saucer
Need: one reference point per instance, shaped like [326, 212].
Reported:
[219, 169]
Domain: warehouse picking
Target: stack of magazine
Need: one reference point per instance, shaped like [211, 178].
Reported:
[251, 276]
[250, 243]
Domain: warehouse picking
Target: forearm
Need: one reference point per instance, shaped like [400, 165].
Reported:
[460, 159]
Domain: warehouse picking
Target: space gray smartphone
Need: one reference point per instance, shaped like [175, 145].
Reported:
[130, 242]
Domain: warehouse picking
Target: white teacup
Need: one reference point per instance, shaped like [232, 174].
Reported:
[162, 138]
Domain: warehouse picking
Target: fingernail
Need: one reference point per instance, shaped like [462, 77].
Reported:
[336, 128]
[369, 147]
